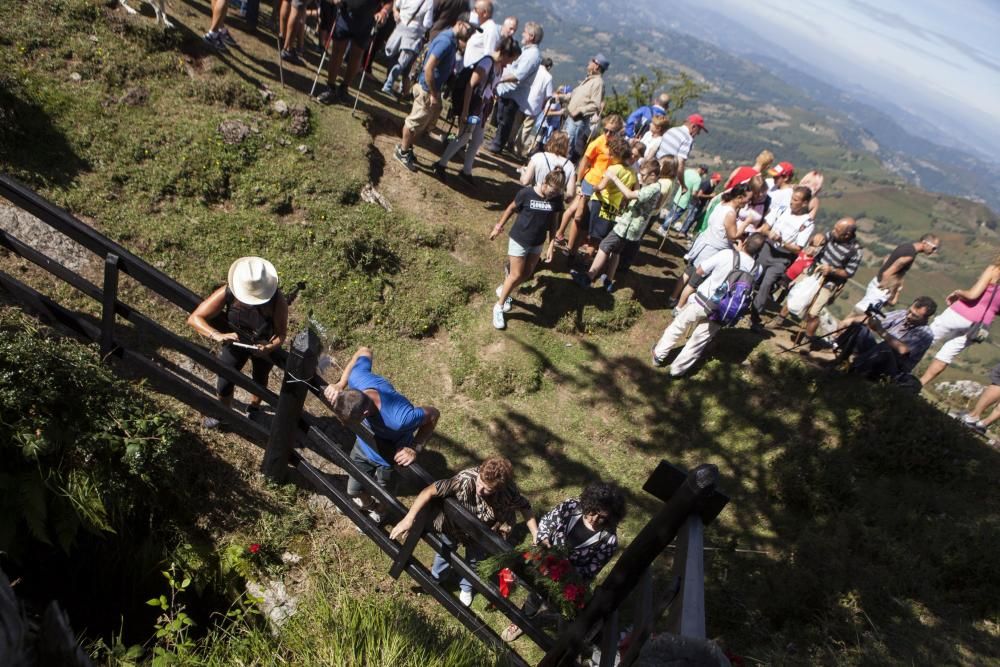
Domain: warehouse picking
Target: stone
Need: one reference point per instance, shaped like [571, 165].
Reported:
[234, 131]
[280, 107]
[135, 97]
[300, 125]
[75, 77]
[302, 148]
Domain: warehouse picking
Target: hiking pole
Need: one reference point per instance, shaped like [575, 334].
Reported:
[322, 59]
[862, 323]
[281, 68]
[539, 128]
[364, 68]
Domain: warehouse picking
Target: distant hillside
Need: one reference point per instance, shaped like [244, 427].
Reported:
[637, 39]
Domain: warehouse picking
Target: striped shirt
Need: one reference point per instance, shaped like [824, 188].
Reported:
[675, 141]
[839, 255]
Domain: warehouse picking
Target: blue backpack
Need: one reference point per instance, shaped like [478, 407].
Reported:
[733, 297]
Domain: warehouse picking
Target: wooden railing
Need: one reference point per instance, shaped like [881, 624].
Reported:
[690, 500]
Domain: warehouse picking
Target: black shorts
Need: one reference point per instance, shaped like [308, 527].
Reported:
[599, 227]
[236, 357]
[995, 375]
[612, 244]
[354, 25]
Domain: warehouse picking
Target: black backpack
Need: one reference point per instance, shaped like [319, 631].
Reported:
[459, 84]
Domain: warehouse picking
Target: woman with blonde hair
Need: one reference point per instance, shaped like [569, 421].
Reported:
[761, 164]
[970, 312]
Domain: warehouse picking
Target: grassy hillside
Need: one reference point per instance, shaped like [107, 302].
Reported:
[859, 518]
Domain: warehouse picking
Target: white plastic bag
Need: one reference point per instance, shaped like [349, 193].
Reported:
[802, 294]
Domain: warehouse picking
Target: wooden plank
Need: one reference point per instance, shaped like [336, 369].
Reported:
[687, 613]
[609, 640]
[410, 543]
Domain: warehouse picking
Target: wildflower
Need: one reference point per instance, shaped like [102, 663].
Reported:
[254, 548]
[507, 580]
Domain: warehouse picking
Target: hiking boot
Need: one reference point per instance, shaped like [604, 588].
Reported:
[498, 319]
[214, 40]
[405, 158]
[467, 179]
[758, 327]
[440, 172]
[226, 38]
[506, 302]
[291, 57]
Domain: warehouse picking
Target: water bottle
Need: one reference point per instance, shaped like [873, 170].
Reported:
[472, 121]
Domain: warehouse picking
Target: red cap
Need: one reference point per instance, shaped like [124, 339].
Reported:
[716, 176]
[783, 169]
[697, 120]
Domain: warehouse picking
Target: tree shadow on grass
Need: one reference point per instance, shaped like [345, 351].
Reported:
[32, 146]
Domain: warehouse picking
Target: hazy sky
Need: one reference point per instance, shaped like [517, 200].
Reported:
[937, 59]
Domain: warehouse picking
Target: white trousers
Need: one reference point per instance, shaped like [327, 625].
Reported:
[693, 314]
[951, 327]
[473, 136]
[873, 294]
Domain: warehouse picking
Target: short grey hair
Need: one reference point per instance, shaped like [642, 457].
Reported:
[535, 30]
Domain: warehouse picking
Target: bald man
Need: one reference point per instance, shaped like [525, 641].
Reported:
[837, 262]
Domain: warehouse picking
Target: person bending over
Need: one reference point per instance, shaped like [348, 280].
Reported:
[490, 494]
[400, 428]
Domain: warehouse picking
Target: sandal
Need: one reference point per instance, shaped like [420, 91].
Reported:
[511, 633]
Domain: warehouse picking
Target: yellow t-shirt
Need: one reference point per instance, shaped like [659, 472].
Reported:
[611, 197]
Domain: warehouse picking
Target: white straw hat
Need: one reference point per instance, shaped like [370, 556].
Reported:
[253, 280]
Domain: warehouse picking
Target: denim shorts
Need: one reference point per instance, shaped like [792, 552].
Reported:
[515, 249]
[382, 474]
[586, 189]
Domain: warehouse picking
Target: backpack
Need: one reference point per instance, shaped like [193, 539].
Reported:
[461, 81]
[733, 297]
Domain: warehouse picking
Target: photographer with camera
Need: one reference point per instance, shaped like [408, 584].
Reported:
[905, 338]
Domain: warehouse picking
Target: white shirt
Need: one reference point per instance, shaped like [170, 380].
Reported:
[715, 231]
[793, 228]
[541, 90]
[781, 199]
[675, 141]
[718, 267]
[544, 162]
[481, 43]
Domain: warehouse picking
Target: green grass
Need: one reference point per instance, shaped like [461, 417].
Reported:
[861, 522]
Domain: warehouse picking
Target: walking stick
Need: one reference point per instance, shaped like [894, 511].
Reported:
[322, 59]
[281, 68]
[364, 68]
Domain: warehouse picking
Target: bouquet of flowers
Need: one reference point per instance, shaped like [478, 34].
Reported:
[546, 569]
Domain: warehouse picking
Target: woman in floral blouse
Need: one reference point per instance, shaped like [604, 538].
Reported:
[587, 529]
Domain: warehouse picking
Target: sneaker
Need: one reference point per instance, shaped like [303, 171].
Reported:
[467, 179]
[214, 40]
[369, 510]
[656, 361]
[580, 278]
[507, 303]
[465, 597]
[210, 423]
[758, 327]
[671, 302]
[291, 57]
[405, 158]
[226, 38]
[326, 97]
[660, 231]
[253, 410]
[498, 320]
[609, 284]
[439, 171]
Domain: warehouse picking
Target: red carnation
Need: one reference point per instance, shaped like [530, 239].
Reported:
[254, 548]
[507, 579]
[557, 570]
[574, 593]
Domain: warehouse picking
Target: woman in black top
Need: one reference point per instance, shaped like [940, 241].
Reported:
[539, 210]
[256, 316]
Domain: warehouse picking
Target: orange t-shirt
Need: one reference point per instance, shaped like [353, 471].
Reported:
[597, 154]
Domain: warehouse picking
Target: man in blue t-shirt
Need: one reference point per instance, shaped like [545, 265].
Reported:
[400, 428]
[437, 69]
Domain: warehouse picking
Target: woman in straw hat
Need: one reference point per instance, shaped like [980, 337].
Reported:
[255, 314]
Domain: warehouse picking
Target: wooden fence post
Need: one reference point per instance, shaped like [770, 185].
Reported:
[299, 371]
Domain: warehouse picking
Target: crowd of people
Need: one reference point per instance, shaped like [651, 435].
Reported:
[594, 186]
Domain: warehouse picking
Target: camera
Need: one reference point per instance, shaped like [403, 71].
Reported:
[874, 308]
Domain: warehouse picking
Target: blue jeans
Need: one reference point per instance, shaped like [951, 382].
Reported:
[402, 66]
[579, 132]
[673, 215]
[690, 215]
[440, 567]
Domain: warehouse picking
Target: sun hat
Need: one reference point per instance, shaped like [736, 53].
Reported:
[253, 280]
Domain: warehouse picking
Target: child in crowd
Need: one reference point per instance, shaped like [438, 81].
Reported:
[606, 202]
[629, 225]
[538, 209]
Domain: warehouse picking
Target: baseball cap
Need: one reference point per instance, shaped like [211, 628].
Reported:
[783, 169]
[716, 176]
[697, 120]
[602, 62]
